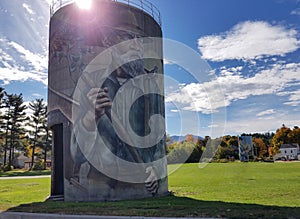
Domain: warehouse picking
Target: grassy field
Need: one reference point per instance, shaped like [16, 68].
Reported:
[14, 192]
[258, 183]
[233, 190]
[25, 173]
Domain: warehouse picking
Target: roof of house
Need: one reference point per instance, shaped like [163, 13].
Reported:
[294, 145]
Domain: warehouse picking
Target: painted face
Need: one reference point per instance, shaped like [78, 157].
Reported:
[128, 54]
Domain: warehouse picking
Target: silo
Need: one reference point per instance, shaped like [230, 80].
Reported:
[105, 101]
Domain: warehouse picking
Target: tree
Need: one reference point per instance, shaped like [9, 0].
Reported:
[294, 135]
[197, 152]
[226, 148]
[281, 137]
[46, 139]
[15, 117]
[37, 123]
[2, 133]
[189, 138]
[260, 146]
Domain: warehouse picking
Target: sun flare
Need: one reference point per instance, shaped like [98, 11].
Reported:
[84, 4]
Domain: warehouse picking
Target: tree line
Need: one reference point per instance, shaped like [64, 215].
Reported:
[23, 132]
[265, 146]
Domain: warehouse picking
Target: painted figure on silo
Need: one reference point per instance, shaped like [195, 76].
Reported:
[118, 144]
[245, 148]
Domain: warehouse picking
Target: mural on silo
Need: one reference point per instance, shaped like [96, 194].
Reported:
[245, 148]
[107, 83]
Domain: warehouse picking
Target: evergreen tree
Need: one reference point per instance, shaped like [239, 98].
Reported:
[46, 139]
[2, 130]
[37, 123]
[15, 117]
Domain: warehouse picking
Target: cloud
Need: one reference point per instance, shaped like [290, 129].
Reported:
[294, 98]
[36, 61]
[20, 64]
[266, 113]
[250, 124]
[167, 62]
[28, 8]
[249, 40]
[206, 97]
[296, 12]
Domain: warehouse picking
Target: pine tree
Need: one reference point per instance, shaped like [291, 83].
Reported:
[37, 123]
[14, 119]
[2, 125]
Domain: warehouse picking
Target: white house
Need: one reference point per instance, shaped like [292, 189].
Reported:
[289, 151]
[20, 161]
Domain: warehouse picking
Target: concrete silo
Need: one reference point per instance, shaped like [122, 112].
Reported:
[105, 101]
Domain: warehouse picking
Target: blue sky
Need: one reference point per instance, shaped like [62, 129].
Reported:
[252, 48]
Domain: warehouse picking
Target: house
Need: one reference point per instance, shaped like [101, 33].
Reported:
[20, 161]
[28, 163]
[289, 151]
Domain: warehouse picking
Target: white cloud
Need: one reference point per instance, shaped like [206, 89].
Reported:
[174, 110]
[48, 1]
[250, 124]
[296, 12]
[20, 64]
[209, 97]
[167, 62]
[13, 74]
[249, 40]
[37, 61]
[266, 113]
[37, 95]
[28, 8]
[294, 98]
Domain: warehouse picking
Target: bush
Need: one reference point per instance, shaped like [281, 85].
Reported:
[180, 152]
[38, 166]
[7, 167]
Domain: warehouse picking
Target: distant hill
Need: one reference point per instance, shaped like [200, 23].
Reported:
[179, 138]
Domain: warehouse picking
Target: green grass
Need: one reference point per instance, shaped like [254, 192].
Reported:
[258, 183]
[232, 190]
[24, 173]
[14, 192]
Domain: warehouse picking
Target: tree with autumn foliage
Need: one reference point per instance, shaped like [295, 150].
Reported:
[280, 137]
[189, 138]
[294, 135]
[190, 150]
[260, 146]
[228, 148]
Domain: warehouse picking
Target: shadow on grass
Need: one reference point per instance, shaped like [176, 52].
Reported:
[170, 206]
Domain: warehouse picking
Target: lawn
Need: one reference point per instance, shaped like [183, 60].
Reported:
[14, 192]
[25, 173]
[258, 183]
[233, 190]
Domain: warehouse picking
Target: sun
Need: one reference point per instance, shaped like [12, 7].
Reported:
[84, 4]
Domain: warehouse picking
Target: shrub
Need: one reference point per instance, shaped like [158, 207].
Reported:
[7, 167]
[38, 166]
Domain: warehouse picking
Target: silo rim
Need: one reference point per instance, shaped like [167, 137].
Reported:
[144, 5]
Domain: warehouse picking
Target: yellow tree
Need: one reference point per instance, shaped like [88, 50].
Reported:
[294, 135]
[189, 138]
[281, 137]
[259, 143]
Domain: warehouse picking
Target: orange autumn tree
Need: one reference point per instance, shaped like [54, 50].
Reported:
[259, 143]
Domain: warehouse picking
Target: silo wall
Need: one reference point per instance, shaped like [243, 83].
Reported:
[105, 162]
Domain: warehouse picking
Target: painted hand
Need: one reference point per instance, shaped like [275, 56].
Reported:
[98, 100]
